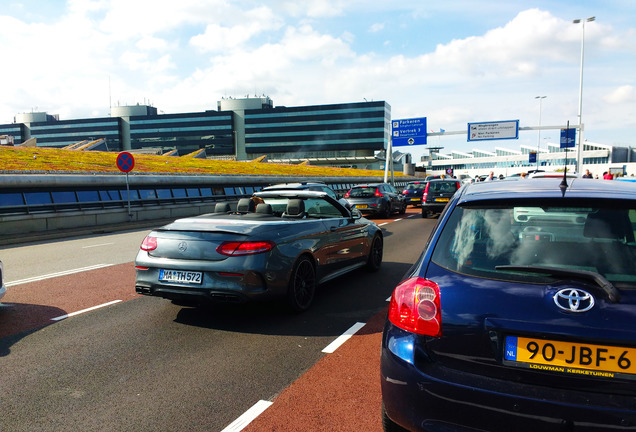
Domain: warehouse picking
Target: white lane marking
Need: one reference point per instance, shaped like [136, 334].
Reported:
[382, 224]
[52, 275]
[343, 338]
[97, 245]
[84, 310]
[247, 417]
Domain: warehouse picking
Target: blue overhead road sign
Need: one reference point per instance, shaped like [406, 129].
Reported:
[409, 132]
[568, 138]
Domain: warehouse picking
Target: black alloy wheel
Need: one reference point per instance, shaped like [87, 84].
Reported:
[386, 212]
[374, 261]
[302, 285]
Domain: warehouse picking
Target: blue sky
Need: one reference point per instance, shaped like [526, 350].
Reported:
[453, 62]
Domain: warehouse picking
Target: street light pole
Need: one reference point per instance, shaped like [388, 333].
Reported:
[580, 144]
[539, 137]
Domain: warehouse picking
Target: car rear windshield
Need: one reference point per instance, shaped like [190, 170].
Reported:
[362, 192]
[475, 240]
[415, 186]
[442, 186]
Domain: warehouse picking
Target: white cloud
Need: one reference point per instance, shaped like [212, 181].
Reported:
[377, 27]
[186, 55]
[621, 95]
[252, 23]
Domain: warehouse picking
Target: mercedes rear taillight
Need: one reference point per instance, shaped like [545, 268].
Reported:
[234, 248]
[149, 243]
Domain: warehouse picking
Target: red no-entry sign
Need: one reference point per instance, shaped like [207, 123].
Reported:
[125, 162]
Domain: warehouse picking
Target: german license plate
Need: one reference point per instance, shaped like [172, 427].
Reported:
[441, 199]
[187, 277]
[569, 357]
[361, 206]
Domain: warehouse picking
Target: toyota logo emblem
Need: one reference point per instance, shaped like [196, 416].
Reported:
[182, 246]
[574, 300]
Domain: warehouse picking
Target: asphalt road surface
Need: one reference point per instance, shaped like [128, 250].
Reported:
[79, 350]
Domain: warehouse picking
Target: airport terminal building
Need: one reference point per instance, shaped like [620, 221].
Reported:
[352, 135]
[595, 157]
[347, 135]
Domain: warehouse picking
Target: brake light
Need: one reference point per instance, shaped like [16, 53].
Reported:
[425, 193]
[378, 194]
[234, 248]
[404, 192]
[149, 243]
[347, 194]
[415, 307]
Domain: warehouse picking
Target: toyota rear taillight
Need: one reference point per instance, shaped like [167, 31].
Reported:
[149, 243]
[415, 307]
[234, 248]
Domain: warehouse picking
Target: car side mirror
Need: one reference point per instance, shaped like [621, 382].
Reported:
[355, 214]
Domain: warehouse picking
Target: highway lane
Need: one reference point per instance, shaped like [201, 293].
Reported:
[146, 364]
[39, 259]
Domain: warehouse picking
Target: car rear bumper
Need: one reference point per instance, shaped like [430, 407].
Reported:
[199, 296]
[433, 398]
[433, 207]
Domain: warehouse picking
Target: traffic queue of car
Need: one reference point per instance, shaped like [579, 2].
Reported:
[520, 313]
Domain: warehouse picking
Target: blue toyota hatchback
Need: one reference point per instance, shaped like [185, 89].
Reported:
[520, 314]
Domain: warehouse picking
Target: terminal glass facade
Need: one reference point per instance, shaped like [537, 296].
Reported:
[15, 130]
[66, 132]
[186, 133]
[285, 131]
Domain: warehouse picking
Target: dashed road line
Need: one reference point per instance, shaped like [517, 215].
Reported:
[343, 338]
[248, 416]
[52, 275]
[85, 310]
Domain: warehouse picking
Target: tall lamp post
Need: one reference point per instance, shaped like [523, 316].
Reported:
[539, 137]
[580, 144]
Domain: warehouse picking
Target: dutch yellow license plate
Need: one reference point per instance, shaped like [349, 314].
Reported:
[361, 206]
[569, 357]
[441, 199]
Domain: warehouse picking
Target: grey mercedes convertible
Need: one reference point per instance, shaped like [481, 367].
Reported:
[278, 244]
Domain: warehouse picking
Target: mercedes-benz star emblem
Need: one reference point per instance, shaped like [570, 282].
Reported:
[574, 300]
[182, 246]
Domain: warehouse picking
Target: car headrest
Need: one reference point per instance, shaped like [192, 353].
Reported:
[295, 208]
[222, 208]
[263, 208]
[245, 205]
[605, 224]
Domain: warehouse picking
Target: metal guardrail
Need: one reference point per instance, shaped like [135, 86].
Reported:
[51, 202]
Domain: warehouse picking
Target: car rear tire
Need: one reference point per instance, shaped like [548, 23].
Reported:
[389, 425]
[386, 212]
[302, 285]
[403, 210]
[425, 213]
[374, 261]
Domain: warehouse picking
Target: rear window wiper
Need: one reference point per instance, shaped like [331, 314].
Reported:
[612, 293]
